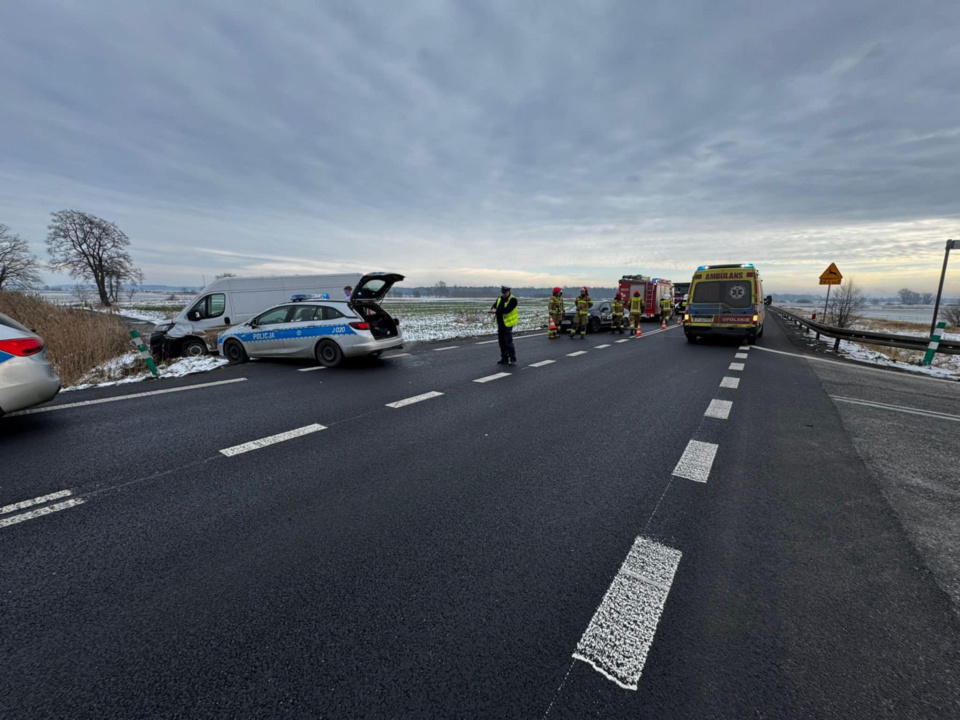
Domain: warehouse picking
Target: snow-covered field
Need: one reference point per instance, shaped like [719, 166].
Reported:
[446, 319]
[131, 368]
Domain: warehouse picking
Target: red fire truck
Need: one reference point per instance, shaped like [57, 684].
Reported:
[652, 290]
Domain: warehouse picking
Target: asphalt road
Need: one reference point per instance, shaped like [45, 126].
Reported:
[574, 539]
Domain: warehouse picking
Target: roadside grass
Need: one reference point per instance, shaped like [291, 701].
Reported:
[77, 340]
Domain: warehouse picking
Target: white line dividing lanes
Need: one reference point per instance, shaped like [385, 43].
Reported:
[40, 512]
[388, 357]
[741, 356]
[311, 369]
[622, 341]
[118, 398]
[415, 399]
[696, 461]
[601, 347]
[619, 636]
[488, 378]
[736, 366]
[542, 363]
[730, 382]
[35, 501]
[578, 352]
[885, 406]
[719, 409]
[272, 440]
[448, 347]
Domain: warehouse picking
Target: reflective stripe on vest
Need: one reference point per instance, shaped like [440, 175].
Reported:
[511, 318]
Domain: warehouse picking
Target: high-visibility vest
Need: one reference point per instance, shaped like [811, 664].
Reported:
[617, 307]
[665, 304]
[584, 304]
[636, 305]
[511, 318]
[556, 305]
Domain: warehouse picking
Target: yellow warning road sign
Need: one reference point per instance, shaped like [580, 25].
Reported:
[831, 276]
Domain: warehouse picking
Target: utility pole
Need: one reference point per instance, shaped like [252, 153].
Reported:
[951, 245]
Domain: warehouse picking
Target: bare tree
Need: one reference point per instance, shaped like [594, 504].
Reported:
[82, 293]
[951, 313]
[91, 249]
[847, 305]
[19, 268]
[927, 298]
[908, 296]
[440, 289]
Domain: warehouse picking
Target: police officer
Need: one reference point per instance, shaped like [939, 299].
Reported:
[636, 309]
[616, 310]
[665, 307]
[556, 313]
[583, 303]
[505, 308]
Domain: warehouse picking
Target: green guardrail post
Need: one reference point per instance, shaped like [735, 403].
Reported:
[144, 353]
[934, 343]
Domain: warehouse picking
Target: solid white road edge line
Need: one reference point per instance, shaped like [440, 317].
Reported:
[272, 440]
[856, 366]
[619, 636]
[730, 382]
[35, 501]
[736, 366]
[118, 398]
[883, 406]
[719, 409]
[415, 399]
[542, 363]
[40, 512]
[696, 461]
[311, 369]
[488, 378]
[578, 352]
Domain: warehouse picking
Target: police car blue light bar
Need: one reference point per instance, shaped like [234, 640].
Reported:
[301, 297]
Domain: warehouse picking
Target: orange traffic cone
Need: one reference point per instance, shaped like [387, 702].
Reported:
[679, 320]
[553, 328]
[639, 334]
[663, 323]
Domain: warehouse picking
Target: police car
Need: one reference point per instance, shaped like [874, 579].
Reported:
[312, 326]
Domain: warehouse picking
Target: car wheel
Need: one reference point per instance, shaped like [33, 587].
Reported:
[193, 347]
[594, 324]
[328, 353]
[234, 352]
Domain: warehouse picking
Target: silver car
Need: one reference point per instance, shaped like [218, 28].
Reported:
[26, 378]
[312, 327]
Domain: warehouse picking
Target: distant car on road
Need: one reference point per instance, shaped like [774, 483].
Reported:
[311, 327]
[598, 317]
[26, 378]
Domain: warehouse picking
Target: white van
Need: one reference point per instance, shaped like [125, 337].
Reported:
[234, 300]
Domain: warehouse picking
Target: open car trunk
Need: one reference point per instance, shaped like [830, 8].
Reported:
[365, 300]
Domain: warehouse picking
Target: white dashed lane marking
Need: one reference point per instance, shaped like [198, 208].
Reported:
[578, 352]
[730, 382]
[40, 512]
[118, 398]
[448, 347]
[415, 399]
[488, 378]
[719, 409]
[542, 363]
[736, 366]
[618, 638]
[272, 440]
[744, 347]
[622, 341]
[741, 356]
[311, 369]
[601, 347]
[696, 461]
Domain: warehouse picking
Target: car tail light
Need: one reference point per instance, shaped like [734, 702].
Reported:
[360, 325]
[686, 317]
[756, 318]
[22, 347]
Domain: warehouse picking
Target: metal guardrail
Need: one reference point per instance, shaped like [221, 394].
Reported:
[906, 342]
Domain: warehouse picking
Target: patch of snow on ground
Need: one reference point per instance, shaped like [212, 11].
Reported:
[944, 366]
[130, 368]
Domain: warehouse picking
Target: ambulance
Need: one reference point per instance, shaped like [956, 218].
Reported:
[652, 290]
[725, 301]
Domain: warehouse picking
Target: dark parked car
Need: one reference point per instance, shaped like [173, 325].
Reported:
[601, 316]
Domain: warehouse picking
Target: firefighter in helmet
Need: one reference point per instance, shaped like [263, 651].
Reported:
[583, 303]
[555, 309]
[665, 308]
[616, 310]
[636, 309]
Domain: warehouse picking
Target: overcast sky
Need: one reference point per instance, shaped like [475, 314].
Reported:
[485, 142]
